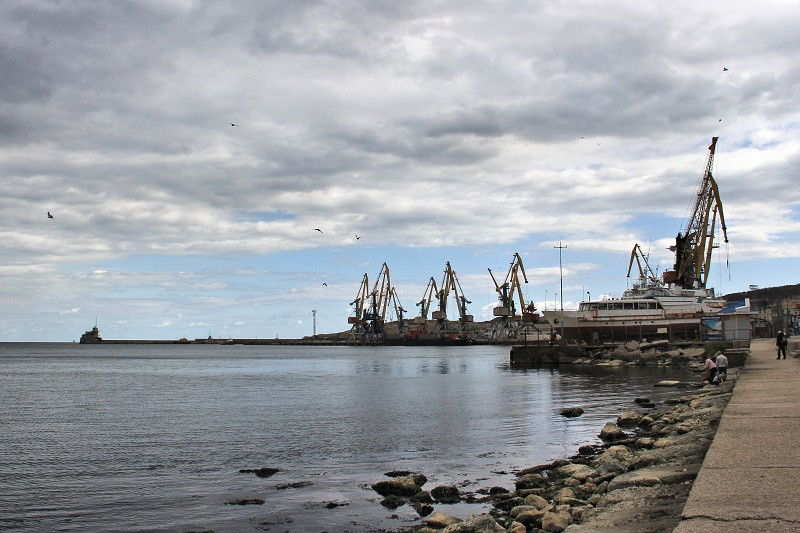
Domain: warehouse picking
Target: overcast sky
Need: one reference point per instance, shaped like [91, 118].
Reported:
[436, 131]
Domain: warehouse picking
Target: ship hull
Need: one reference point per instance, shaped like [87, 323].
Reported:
[577, 326]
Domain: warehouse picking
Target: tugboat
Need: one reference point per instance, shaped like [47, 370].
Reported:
[92, 336]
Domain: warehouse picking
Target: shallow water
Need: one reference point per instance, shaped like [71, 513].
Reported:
[152, 437]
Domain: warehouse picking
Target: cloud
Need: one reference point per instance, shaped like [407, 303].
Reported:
[422, 126]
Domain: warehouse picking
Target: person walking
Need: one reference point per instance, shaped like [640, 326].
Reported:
[722, 366]
[780, 344]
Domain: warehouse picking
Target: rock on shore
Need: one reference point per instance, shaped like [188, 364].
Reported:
[636, 477]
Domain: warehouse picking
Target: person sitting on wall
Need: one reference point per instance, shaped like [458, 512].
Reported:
[711, 369]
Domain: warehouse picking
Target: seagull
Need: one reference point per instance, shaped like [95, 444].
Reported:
[724, 69]
[317, 229]
[49, 215]
[233, 125]
[720, 120]
[582, 137]
[358, 237]
[324, 283]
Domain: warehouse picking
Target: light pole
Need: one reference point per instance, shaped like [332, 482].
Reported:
[314, 314]
[561, 277]
[588, 297]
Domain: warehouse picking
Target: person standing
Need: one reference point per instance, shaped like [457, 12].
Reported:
[780, 344]
[722, 366]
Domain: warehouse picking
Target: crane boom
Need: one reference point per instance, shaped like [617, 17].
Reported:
[693, 247]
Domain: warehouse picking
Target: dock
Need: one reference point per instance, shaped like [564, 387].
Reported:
[748, 480]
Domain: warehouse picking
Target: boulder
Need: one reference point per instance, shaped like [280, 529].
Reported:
[536, 501]
[631, 346]
[440, 520]
[446, 494]
[668, 383]
[611, 432]
[399, 486]
[614, 460]
[556, 521]
[577, 471]
[628, 419]
[483, 523]
[393, 501]
[530, 481]
[571, 412]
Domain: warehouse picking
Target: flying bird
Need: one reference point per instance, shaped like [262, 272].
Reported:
[358, 237]
[233, 125]
[49, 215]
[317, 229]
[724, 69]
[324, 283]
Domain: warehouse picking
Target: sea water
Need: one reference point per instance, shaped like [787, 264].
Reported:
[153, 437]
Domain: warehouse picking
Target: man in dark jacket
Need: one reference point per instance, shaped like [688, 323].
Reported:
[781, 343]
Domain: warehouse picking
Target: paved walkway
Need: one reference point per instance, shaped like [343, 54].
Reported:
[751, 473]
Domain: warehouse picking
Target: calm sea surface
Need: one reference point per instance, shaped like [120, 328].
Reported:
[152, 437]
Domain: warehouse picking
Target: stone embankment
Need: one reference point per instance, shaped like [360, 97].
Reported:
[637, 478]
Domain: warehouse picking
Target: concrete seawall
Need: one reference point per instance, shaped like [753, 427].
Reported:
[748, 480]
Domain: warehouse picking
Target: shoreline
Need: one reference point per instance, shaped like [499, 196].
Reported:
[637, 478]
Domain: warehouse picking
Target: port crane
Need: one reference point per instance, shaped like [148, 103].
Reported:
[375, 315]
[647, 276]
[506, 325]
[398, 310]
[357, 323]
[694, 244]
[450, 283]
[421, 321]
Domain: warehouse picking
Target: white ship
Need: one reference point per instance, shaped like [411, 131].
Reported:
[669, 307]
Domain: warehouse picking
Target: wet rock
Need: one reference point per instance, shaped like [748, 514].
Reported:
[446, 494]
[246, 501]
[483, 523]
[497, 490]
[611, 432]
[668, 383]
[260, 472]
[641, 399]
[530, 481]
[422, 496]
[422, 509]
[440, 520]
[628, 419]
[393, 502]
[399, 486]
[335, 504]
[571, 412]
[294, 485]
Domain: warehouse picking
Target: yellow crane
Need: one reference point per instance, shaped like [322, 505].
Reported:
[425, 304]
[450, 283]
[357, 322]
[506, 312]
[693, 246]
